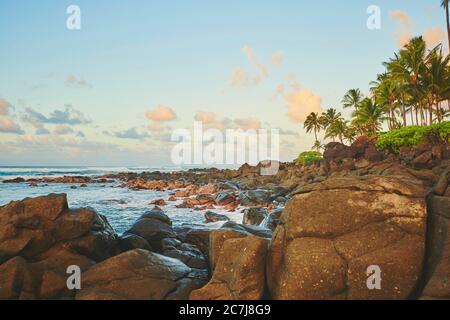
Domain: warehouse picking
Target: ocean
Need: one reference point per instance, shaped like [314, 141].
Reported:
[121, 206]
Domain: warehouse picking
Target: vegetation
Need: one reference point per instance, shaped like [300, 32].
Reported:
[307, 158]
[412, 92]
[392, 141]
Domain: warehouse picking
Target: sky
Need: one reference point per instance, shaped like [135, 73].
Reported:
[113, 92]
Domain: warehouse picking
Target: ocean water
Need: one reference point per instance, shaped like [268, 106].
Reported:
[121, 206]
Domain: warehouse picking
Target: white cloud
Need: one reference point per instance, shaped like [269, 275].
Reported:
[301, 103]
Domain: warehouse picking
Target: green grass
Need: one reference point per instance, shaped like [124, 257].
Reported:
[392, 141]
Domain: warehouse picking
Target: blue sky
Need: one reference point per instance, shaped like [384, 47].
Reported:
[132, 58]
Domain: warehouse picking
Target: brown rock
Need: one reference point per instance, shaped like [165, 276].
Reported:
[333, 231]
[237, 276]
[139, 275]
[217, 239]
[16, 279]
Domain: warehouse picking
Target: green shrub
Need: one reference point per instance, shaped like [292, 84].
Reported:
[307, 158]
[392, 141]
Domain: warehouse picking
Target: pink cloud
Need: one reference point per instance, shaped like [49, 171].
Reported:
[161, 114]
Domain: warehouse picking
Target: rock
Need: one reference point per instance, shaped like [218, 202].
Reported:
[207, 189]
[443, 182]
[422, 160]
[140, 275]
[217, 239]
[224, 197]
[440, 205]
[15, 180]
[227, 186]
[254, 230]
[16, 280]
[214, 217]
[437, 263]
[237, 277]
[273, 219]
[197, 237]
[333, 231]
[32, 226]
[187, 253]
[153, 230]
[131, 241]
[254, 216]
[254, 197]
[158, 215]
[336, 151]
[159, 202]
[203, 199]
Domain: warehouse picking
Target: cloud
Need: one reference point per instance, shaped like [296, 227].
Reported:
[434, 36]
[62, 130]
[161, 114]
[404, 31]
[9, 126]
[132, 134]
[4, 107]
[74, 81]
[238, 78]
[212, 120]
[41, 131]
[301, 103]
[69, 116]
[248, 123]
[277, 58]
[278, 91]
[241, 78]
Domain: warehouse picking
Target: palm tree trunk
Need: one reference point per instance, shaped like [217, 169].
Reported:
[404, 115]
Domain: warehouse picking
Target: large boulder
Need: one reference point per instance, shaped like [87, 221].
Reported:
[332, 232]
[40, 238]
[32, 226]
[140, 275]
[237, 276]
[153, 230]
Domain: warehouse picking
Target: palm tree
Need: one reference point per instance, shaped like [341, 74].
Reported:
[408, 67]
[352, 98]
[313, 123]
[369, 117]
[445, 5]
[317, 146]
[337, 129]
[329, 117]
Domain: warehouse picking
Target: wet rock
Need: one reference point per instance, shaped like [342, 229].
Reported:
[158, 215]
[254, 197]
[215, 217]
[15, 180]
[254, 216]
[140, 275]
[159, 202]
[273, 219]
[153, 230]
[131, 241]
[224, 197]
[187, 253]
[254, 230]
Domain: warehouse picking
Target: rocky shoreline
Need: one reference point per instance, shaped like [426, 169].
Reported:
[308, 232]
